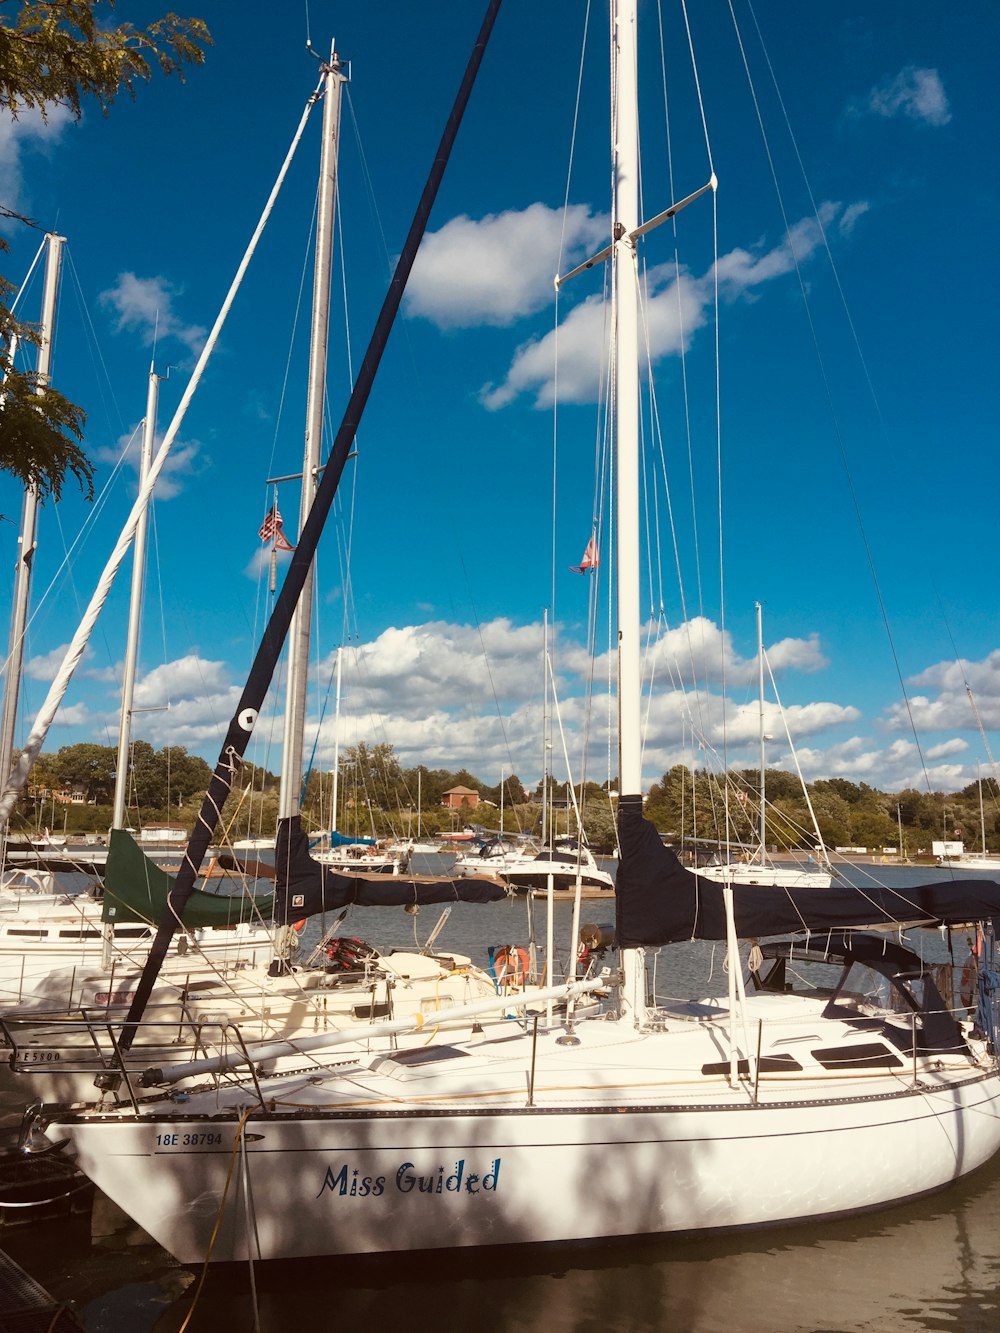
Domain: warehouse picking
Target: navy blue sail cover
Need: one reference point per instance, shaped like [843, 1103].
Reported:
[658, 901]
[304, 887]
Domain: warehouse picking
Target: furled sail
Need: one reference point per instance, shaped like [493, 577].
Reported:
[304, 887]
[658, 901]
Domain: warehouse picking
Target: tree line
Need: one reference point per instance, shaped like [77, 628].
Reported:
[376, 796]
[693, 803]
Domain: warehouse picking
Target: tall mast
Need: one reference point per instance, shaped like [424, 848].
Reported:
[625, 359]
[982, 816]
[26, 542]
[335, 794]
[760, 725]
[299, 634]
[625, 354]
[134, 609]
[546, 731]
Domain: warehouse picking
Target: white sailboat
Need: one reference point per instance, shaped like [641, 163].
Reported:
[812, 1096]
[365, 855]
[564, 861]
[981, 860]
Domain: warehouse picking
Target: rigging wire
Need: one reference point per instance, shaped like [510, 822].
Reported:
[571, 158]
[872, 391]
[79, 542]
[837, 431]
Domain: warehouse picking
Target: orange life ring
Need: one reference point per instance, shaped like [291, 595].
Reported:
[511, 966]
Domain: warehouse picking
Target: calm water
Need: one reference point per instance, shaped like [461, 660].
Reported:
[934, 1265]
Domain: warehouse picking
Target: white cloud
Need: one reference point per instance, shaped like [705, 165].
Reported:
[180, 464]
[260, 562]
[193, 699]
[899, 765]
[675, 308]
[954, 746]
[499, 268]
[106, 675]
[796, 655]
[452, 695]
[456, 695]
[19, 138]
[146, 306]
[45, 666]
[418, 667]
[74, 715]
[915, 93]
[741, 271]
[677, 305]
[851, 216]
[946, 704]
[179, 682]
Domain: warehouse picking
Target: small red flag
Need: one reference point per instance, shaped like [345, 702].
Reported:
[270, 531]
[590, 557]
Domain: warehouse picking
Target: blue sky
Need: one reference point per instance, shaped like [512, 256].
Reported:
[876, 451]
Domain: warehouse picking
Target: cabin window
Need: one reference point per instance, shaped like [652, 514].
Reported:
[425, 1055]
[80, 934]
[870, 993]
[769, 1064]
[803, 975]
[31, 934]
[862, 1055]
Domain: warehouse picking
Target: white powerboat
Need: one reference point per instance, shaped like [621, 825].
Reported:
[563, 864]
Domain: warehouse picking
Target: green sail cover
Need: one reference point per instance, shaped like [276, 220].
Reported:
[135, 892]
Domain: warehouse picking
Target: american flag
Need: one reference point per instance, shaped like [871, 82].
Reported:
[270, 531]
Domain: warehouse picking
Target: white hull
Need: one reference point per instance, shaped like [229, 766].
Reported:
[361, 861]
[433, 1160]
[537, 877]
[48, 943]
[535, 870]
[784, 877]
[971, 861]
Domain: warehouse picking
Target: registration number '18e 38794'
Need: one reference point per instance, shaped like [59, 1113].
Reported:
[190, 1139]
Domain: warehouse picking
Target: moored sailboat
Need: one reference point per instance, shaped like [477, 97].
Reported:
[981, 860]
[809, 1097]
